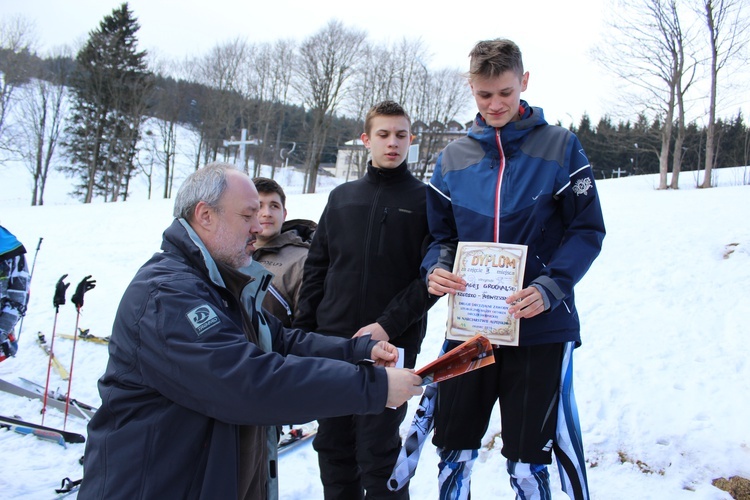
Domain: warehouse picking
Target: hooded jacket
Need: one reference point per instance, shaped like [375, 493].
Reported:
[285, 256]
[527, 183]
[14, 283]
[185, 376]
[363, 264]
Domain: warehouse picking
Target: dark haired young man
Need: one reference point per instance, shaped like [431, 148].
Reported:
[362, 276]
[281, 247]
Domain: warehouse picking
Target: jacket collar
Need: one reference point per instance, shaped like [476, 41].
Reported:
[387, 174]
[295, 232]
[185, 240]
[512, 133]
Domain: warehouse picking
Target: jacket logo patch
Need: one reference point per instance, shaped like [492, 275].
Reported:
[202, 318]
[582, 186]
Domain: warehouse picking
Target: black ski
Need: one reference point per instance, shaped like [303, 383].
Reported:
[69, 437]
[76, 409]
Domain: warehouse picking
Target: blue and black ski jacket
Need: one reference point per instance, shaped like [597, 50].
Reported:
[527, 183]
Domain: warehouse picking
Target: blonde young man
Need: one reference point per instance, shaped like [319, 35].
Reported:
[361, 278]
[515, 179]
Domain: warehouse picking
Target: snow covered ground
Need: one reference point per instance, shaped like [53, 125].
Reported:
[662, 379]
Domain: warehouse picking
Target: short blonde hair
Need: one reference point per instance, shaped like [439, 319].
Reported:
[492, 58]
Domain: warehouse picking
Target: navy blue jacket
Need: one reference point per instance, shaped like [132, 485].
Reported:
[182, 378]
[527, 183]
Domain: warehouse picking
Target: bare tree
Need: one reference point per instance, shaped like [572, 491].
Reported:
[327, 61]
[396, 72]
[684, 77]
[647, 50]
[17, 40]
[728, 33]
[268, 83]
[42, 118]
[172, 105]
[220, 70]
[446, 95]
[374, 80]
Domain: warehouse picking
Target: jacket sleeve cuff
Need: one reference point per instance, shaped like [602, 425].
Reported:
[543, 293]
[549, 285]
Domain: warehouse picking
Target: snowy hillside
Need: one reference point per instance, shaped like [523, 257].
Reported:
[662, 378]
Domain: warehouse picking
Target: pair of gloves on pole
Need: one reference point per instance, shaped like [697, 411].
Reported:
[8, 343]
[84, 286]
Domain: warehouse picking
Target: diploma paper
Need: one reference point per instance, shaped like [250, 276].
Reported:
[493, 271]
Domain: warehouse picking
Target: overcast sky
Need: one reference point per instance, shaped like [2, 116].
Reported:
[555, 37]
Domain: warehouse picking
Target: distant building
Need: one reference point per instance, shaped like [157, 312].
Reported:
[351, 160]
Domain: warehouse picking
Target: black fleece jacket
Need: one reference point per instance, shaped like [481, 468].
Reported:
[364, 260]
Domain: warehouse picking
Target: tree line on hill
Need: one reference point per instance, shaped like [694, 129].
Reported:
[108, 113]
[626, 148]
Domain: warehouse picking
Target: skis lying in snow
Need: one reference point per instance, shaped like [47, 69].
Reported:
[295, 437]
[76, 408]
[39, 389]
[85, 335]
[61, 370]
[41, 434]
[49, 433]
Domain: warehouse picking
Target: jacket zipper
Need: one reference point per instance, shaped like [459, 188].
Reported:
[499, 186]
[368, 240]
[381, 239]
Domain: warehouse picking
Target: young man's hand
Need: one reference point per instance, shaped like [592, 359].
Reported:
[384, 354]
[375, 330]
[442, 282]
[402, 385]
[527, 303]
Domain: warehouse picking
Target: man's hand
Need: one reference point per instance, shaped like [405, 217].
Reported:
[402, 385]
[441, 282]
[384, 354]
[375, 330]
[527, 303]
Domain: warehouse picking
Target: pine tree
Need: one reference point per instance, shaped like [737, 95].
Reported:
[110, 86]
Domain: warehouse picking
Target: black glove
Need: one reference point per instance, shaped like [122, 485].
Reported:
[84, 286]
[60, 289]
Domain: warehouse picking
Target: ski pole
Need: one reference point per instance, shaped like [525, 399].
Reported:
[85, 285]
[57, 301]
[31, 275]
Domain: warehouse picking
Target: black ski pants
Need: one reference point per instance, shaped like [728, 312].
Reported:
[525, 381]
[357, 454]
